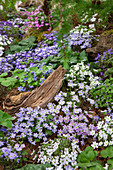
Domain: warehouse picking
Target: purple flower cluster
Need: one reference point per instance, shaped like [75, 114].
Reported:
[103, 61]
[75, 124]
[12, 153]
[2, 24]
[34, 125]
[75, 127]
[20, 60]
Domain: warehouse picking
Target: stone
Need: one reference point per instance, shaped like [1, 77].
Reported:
[105, 43]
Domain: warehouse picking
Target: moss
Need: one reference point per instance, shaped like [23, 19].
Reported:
[107, 32]
[37, 33]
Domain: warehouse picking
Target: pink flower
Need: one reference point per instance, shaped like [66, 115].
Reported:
[42, 22]
[49, 29]
[46, 24]
[37, 25]
[36, 18]
[42, 17]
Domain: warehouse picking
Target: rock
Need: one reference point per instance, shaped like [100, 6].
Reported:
[105, 43]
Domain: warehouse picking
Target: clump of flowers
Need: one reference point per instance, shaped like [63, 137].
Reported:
[81, 78]
[104, 134]
[61, 153]
[34, 125]
[20, 60]
[73, 121]
[80, 37]
[36, 19]
[104, 62]
[11, 151]
[103, 94]
[4, 41]
[32, 76]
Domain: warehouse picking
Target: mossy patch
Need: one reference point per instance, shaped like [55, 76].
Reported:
[37, 33]
[107, 32]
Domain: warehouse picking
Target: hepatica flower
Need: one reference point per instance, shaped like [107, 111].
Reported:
[66, 157]
[34, 125]
[104, 133]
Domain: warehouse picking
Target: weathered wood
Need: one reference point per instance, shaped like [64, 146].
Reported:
[40, 96]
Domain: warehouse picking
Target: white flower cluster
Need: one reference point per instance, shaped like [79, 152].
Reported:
[104, 134]
[82, 29]
[63, 160]
[82, 72]
[4, 40]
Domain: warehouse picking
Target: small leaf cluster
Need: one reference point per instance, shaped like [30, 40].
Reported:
[108, 152]
[26, 79]
[5, 119]
[24, 45]
[104, 64]
[35, 167]
[86, 159]
[103, 94]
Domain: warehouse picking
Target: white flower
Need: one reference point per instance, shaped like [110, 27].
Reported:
[1, 53]
[59, 168]
[106, 143]
[107, 118]
[93, 19]
[94, 145]
[106, 166]
[109, 131]
[100, 144]
[1, 48]
[101, 134]
[61, 102]
[105, 126]
[92, 132]
[99, 126]
[105, 136]
[92, 26]
[111, 143]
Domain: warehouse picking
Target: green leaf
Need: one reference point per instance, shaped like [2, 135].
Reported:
[86, 165]
[37, 140]
[48, 132]
[6, 123]
[38, 72]
[24, 153]
[83, 157]
[91, 155]
[88, 148]
[3, 75]
[15, 48]
[35, 167]
[110, 161]
[104, 153]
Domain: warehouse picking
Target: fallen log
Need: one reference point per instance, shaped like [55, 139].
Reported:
[40, 96]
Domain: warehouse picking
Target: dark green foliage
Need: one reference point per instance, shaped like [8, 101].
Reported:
[108, 152]
[62, 14]
[5, 119]
[25, 79]
[24, 45]
[103, 94]
[86, 159]
[104, 10]
[35, 167]
[72, 58]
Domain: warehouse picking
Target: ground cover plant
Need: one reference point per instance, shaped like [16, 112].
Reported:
[75, 130]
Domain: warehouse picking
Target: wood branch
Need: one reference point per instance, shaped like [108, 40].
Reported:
[40, 96]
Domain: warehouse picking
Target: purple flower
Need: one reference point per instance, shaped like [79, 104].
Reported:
[12, 155]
